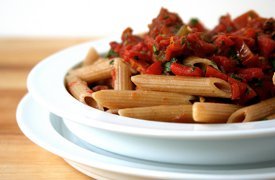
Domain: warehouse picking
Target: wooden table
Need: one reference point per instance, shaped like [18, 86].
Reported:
[19, 157]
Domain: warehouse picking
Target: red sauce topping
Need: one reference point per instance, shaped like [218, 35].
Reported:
[243, 49]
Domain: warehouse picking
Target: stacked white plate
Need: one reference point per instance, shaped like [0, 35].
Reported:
[108, 146]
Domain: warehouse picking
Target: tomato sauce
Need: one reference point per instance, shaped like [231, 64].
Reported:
[242, 48]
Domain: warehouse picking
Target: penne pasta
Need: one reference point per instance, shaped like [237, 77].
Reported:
[154, 75]
[114, 99]
[184, 30]
[201, 86]
[254, 112]
[100, 60]
[202, 99]
[91, 57]
[200, 62]
[205, 112]
[94, 72]
[112, 111]
[272, 116]
[80, 90]
[166, 113]
[122, 75]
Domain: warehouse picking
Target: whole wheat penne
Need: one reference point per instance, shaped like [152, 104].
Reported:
[100, 60]
[184, 30]
[273, 78]
[91, 57]
[112, 111]
[166, 113]
[114, 99]
[202, 99]
[205, 112]
[122, 75]
[94, 72]
[197, 61]
[201, 86]
[80, 90]
[272, 116]
[253, 112]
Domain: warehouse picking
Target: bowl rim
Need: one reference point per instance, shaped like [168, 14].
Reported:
[45, 83]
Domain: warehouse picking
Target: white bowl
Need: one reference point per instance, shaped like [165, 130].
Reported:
[235, 143]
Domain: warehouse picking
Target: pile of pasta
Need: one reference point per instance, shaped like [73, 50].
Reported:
[158, 97]
[184, 73]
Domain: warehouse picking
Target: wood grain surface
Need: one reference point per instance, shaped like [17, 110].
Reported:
[19, 157]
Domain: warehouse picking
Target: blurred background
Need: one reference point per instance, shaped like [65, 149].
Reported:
[82, 18]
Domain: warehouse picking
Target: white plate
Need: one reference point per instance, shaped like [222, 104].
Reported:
[48, 131]
[222, 151]
[46, 83]
[235, 143]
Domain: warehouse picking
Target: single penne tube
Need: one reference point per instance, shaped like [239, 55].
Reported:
[100, 60]
[202, 99]
[206, 112]
[198, 61]
[200, 86]
[122, 75]
[80, 90]
[166, 113]
[253, 112]
[273, 78]
[115, 99]
[272, 116]
[91, 57]
[94, 72]
[112, 111]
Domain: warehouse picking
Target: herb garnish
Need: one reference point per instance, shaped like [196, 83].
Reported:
[111, 53]
[155, 50]
[111, 62]
[194, 21]
[167, 65]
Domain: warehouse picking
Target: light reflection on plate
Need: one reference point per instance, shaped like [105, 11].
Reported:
[51, 134]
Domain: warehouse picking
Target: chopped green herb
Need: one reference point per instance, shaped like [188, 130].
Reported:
[247, 91]
[193, 68]
[161, 56]
[194, 21]
[111, 53]
[167, 65]
[256, 82]
[155, 50]
[272, 61]
[233, 54]
[214, 65]
[111, 62]
[188, 44]
[235, 76]
[229, 28]
[203, 68]
[166, 16]
[173, 60]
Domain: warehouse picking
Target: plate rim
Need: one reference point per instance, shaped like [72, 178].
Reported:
[30, 133]
[68, 107]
